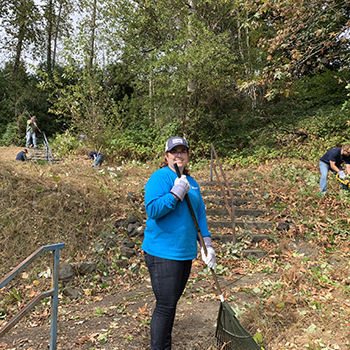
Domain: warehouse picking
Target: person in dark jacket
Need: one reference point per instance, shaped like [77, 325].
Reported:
[332, 161]
[22, 156]
[97, 157]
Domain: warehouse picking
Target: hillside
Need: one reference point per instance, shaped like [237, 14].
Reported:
[297, 296]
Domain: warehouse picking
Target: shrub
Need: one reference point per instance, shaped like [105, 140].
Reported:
[65, 144]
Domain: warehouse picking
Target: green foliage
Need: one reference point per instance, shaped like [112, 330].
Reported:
[65, 144]
[136, 143]
[10, 136]
[184, 71]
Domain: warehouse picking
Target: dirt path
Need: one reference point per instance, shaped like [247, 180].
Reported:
[119, 321]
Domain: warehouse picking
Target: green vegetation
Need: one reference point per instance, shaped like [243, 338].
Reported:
[242, 75]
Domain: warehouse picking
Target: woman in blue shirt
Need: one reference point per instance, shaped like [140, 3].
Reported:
[170, 242]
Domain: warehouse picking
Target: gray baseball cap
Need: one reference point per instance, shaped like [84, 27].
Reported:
[175, 141]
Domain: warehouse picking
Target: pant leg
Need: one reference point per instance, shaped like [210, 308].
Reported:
[324, 169]
[27, 139]
[34, 138]
[168, 278]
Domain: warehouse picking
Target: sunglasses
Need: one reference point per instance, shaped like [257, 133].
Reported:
[173, 151]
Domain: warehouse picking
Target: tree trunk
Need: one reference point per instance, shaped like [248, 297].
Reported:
[191, 9]
[93, 29]
[49, 37]
[56, 33]
[18, 51]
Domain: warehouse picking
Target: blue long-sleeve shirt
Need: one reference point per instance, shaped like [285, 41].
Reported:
[170, 231]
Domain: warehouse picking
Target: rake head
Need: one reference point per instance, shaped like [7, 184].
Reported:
[230, 334]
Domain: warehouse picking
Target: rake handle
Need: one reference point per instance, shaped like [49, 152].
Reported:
[215, 278]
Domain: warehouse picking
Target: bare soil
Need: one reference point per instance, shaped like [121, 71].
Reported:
[120, 321]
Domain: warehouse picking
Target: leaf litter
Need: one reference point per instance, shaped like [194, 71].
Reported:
[296, 297]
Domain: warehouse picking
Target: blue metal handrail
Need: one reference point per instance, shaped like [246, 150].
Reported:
[55, 248]
[47, 149]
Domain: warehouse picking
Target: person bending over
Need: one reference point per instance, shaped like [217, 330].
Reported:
[97, 157]
[332, 161]
[22, 156]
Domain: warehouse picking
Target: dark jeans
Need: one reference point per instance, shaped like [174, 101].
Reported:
[168, 278]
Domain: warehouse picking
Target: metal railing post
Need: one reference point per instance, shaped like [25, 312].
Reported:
[53, 292]
[230, 208]
[54, 301]
[48, 149]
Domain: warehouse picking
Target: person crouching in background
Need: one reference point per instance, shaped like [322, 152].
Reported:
[22, 156]
[97, 157]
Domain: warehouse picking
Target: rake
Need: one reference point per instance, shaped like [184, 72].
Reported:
[230, 334]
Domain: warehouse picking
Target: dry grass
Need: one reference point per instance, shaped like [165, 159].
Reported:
[71, 203]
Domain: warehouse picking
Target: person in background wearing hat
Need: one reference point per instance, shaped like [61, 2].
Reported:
[332, 161]
[22, 156]
[97, 157]
[31, 131]
[170, 238]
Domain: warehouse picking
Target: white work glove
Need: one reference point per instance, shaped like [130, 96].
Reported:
[181, 187]
[208, 259]
[341, 174]
[182, 178]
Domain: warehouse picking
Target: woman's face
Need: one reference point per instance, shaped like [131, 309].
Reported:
[178, 155]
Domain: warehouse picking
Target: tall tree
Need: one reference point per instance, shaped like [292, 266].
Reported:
[58, 17]
[309, 36]
[183, 49]
[21, 24]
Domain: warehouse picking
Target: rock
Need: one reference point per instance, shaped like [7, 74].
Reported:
[127, 252]
[255, 254]
[71, 293]
[127, 243]
[131, 197]
[131, 220]
[99, 248]
[65, 272]
[130, 228]
[123, 263]
[283, 226]
[85, 268]
[111, 240]
[308, 252]
[119, 223]
[140, 231]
